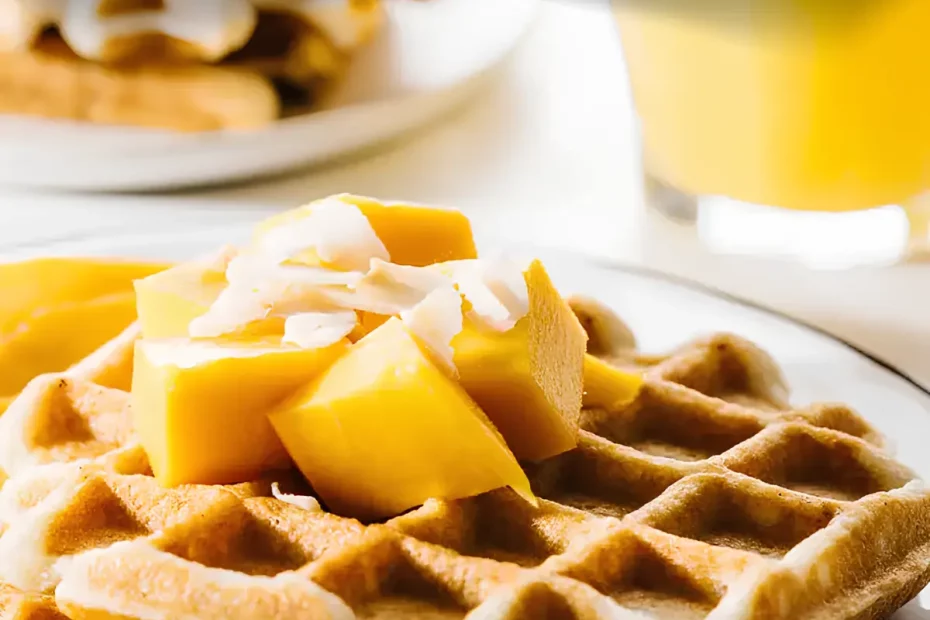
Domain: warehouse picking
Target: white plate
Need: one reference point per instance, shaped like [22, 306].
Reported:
[429, 58]
[665, 311]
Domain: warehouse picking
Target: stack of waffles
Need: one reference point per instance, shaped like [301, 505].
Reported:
[706, 497]
[175, 64]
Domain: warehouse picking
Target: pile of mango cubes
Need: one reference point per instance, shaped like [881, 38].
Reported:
[374, 422]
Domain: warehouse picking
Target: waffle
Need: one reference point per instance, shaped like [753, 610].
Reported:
[706, 497]
[186, 66]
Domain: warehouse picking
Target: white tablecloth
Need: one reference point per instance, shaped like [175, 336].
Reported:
[547, 155]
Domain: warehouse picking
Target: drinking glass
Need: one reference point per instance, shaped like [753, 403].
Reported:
[796, 128]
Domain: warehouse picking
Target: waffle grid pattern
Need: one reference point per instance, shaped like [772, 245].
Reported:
[706, 497]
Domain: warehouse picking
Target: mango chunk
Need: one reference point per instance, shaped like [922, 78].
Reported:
[168, 301]
[200, 406]
[412, 234]
[418, 235]
[608, 387]
[367, 323]
[384, 429]
[528, 379]
[39, 285]
[53, 340]
[55, 311]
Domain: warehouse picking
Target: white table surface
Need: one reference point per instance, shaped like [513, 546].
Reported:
[546, 155]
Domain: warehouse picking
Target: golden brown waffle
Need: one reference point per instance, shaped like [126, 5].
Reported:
[151, 79]
[706, 497]
[49, 81]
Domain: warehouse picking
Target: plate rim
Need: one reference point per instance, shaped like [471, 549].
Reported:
[707, 289]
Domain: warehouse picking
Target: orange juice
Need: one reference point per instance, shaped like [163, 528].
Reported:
[807, 104]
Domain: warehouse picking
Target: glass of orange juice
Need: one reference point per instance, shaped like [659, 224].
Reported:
[788, 127]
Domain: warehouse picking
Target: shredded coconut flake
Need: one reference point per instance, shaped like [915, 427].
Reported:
[495, 289]
[436, 321]
[238, 305]
[505, 279]
[318, 276]
[338, 231]
[300, 298]
[391, 289]
[261, 283]
[301, 501]
[313, 330]
[318, 301]
[258, 289]
[253, 268]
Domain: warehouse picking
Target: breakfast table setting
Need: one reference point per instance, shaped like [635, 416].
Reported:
[523, 119]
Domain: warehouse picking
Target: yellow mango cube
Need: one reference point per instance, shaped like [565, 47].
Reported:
[55, 311]
[53, 339]
[384, 429]
[529, 379]
[412, 234]
[418, 235]
[168, 301]
[200, 406]
[608, 387]
[42, 284]
[367, 323]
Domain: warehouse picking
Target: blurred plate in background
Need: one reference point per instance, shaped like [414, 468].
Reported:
[429, 58]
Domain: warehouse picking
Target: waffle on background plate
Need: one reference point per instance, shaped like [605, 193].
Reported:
[176, 64]
[706, 497]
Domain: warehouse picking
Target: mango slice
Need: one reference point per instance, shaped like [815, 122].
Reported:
[200, 406]
[528, 379]
[53, 340]
[418, 235]
[55, 311]
[413, 235]
[383, 429]
[39, 285]
[608, 387]
[168, 301]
